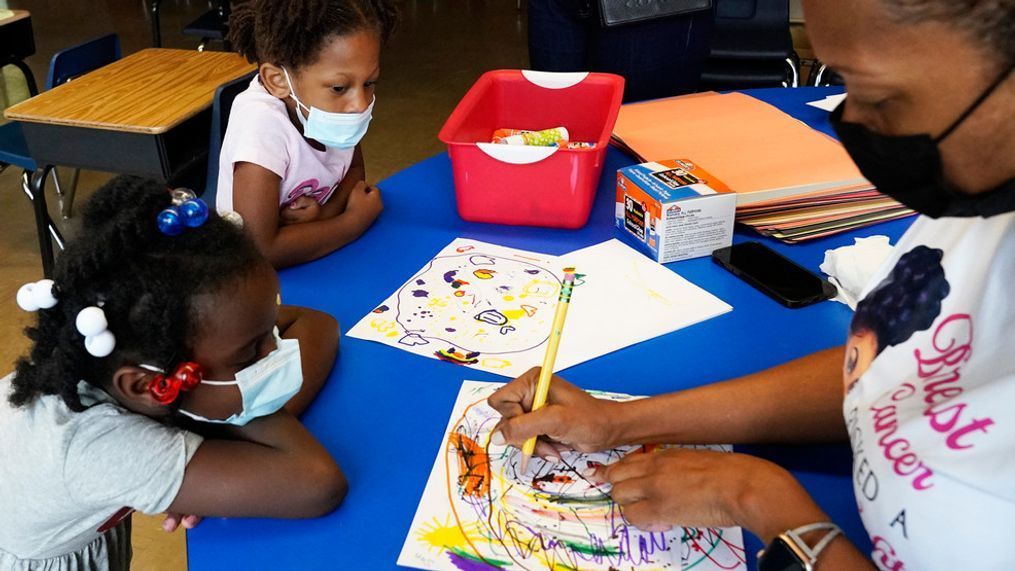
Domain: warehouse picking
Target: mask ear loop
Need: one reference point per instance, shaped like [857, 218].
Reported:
[976, 104]
[292, 93]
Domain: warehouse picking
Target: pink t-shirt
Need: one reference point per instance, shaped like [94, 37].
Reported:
[260, 132]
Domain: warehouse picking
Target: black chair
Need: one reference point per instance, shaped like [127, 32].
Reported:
[751, 46]
[212, 25]
[221, 107]
[823, 76]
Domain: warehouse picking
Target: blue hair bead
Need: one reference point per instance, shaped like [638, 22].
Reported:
[195, 212]
[170, 222]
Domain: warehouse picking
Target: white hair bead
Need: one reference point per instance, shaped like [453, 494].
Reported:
[91, 321]
[232, 217]
[34, 296]
[26, 300]
[42, 293]
[100, 345]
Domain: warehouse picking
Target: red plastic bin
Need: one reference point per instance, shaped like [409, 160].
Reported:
[531, 186]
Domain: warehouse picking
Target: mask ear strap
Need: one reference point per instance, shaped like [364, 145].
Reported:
[976, 104]
[292, 93]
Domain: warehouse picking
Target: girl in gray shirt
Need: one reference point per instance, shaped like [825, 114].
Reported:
[161, 324]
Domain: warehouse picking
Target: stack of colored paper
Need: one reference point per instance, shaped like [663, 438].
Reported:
[792, 182]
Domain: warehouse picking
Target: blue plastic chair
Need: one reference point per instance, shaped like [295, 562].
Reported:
[78, 60]
[73, 62]
[223, 104]
[65, 65]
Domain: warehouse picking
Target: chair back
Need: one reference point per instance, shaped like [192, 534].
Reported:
[78, 60]
[752, 29]
[221, 107]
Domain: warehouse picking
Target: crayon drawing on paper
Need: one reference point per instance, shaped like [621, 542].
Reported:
[478, 512]
[473, 304]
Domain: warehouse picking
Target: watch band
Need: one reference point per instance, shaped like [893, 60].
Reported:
[792, 544]
[813, 552]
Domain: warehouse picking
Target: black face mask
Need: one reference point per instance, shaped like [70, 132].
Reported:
[908, 168]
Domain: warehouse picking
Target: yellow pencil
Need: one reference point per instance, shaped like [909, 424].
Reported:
[546, 373]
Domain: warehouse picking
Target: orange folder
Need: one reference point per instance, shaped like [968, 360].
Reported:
[760, 152]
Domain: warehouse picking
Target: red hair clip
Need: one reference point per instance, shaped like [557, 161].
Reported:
[165, 389]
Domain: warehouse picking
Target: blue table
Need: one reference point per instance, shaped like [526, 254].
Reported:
[387, 463]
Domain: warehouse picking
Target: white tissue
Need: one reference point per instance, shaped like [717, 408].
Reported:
[850, 268]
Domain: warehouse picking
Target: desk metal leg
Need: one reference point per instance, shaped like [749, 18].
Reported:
[34, 185]
[156, 28]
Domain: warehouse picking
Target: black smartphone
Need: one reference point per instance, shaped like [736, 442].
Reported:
[774, 274]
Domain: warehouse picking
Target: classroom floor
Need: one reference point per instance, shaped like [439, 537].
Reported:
[426, 70]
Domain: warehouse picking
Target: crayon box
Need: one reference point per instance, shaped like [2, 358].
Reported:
[674, 210]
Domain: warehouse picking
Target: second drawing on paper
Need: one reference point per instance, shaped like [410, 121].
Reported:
[471, 306]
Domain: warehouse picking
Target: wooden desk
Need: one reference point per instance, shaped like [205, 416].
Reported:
[147, 114]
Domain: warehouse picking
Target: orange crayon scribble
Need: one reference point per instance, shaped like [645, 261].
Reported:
[473, 466]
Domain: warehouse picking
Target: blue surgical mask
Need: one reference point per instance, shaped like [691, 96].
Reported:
[335, 130]
[266, 385]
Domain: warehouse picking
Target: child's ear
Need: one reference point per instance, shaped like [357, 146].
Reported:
[130, 387]
[273, 80]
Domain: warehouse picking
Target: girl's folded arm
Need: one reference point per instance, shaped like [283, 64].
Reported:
[255, 198]
[275, 468]
[318, 334]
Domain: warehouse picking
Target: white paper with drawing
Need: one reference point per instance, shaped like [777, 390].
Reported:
[479, 512]
[490, 308]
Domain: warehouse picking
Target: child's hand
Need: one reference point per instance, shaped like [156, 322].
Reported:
[303, 209]
[365, 203]
[174, 520]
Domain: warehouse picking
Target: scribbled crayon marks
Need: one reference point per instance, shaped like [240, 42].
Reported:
[420, 293]
[492, 316]
[381, 309]
[413, 339]
[453, 355]
[482, 261]
[473, 465]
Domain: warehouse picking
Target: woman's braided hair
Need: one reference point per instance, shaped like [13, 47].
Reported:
[145, 282]
[292, 33]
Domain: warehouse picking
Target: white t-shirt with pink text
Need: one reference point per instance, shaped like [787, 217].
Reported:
[261, 132]
[932, 419]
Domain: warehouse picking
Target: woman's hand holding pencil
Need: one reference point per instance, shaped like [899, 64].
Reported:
[571, 420]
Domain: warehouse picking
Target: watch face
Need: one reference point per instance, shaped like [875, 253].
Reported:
[779, 556]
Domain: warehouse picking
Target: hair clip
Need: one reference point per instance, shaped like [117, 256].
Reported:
[99, 340]
[187, 211]
[34, 296]
[166, 389]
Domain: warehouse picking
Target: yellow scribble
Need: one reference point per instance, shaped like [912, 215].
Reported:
[440, 536]
[540, 288]
[513, 313]
[495, 363]
[383, 325]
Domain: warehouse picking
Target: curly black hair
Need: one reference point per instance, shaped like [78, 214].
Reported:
[990, 22]
[293, 32]
[907, 301]
[145, 282]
